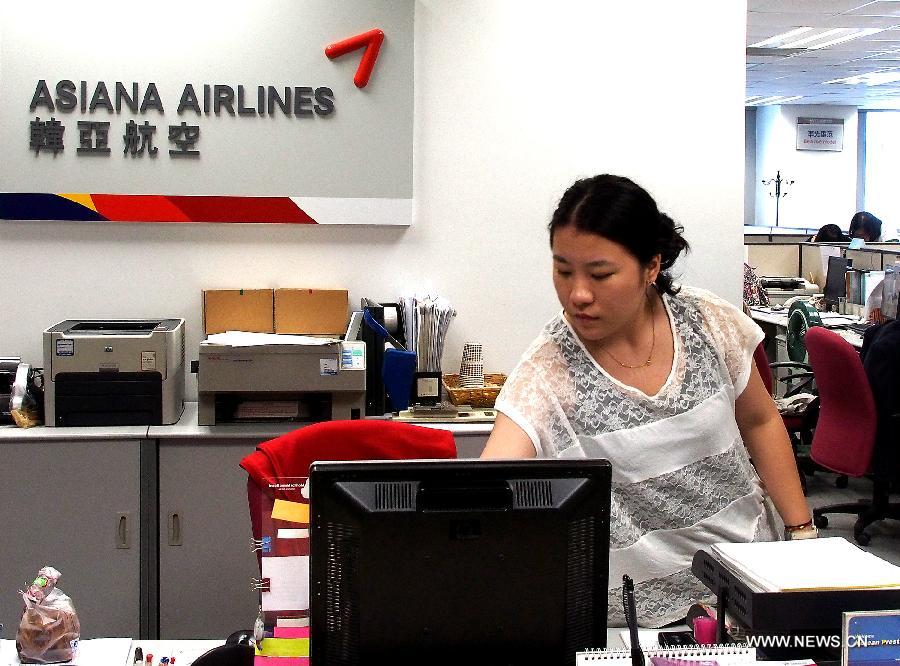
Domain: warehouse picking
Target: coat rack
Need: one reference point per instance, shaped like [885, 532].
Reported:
[780, 190]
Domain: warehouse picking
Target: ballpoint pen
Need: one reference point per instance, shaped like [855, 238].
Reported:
[637, 654]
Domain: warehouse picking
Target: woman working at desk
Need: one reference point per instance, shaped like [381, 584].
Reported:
[661, 383]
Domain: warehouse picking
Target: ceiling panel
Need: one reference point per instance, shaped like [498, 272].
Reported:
[805, 73]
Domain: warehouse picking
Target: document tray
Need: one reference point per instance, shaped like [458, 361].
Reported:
[807, 612]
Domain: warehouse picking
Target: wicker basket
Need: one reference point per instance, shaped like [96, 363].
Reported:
[476, 397]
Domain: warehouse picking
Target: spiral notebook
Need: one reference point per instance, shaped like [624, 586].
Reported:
[724, 655]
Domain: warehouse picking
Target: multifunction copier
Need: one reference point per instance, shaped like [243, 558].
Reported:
[322, 381]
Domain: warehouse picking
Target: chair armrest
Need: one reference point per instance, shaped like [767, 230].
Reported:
[791, 364]
[796, 376]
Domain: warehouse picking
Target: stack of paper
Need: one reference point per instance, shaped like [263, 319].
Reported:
[245, 339]
[811, 564]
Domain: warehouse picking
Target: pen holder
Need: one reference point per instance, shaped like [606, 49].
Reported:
[427, 387]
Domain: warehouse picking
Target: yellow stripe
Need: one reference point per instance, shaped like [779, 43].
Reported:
[83, 199]
[283, 647]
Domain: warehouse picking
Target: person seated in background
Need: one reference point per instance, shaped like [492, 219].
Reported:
[830, 233]
[866, 226]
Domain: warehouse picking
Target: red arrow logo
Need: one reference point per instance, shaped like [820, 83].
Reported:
[372, 40]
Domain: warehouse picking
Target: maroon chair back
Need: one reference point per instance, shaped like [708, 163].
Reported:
[762, 365]
[845, 432]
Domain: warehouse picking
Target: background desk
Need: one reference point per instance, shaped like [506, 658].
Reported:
[774, 325]
[148, 525]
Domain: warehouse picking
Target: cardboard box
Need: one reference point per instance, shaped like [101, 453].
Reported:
[311, 311]
[238, 310]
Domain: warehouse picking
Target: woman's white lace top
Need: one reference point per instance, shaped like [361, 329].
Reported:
[682, 478]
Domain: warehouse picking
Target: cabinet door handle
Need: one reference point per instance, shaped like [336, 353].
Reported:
[175, 528]
[123, 533]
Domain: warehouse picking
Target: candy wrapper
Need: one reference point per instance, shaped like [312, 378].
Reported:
[49, 629]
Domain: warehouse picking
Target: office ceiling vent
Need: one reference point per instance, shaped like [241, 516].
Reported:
[536, 494]
[394, 496]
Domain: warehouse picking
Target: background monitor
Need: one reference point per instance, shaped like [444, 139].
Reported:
[459, 561]
[835, 282]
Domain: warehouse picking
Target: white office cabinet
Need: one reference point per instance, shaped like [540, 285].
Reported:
[74, 505]
[205, 562]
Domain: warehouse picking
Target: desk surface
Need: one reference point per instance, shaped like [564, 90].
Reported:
[831, 320]
[114, 651]
[187, 429]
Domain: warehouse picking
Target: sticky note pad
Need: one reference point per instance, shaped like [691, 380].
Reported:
[291, 632]
[294, 512]
[283, 647]
[259, 660]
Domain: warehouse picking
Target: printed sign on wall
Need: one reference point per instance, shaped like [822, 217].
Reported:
[820, 134]
[288, 111]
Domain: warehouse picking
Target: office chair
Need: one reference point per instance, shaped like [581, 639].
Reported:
[799, 425]
[230, 654]
[844, 439]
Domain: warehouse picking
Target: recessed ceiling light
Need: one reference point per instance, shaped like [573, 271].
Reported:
[815, 37]
[783, 37]
[774, 99]
[869, 79]
[838, 35]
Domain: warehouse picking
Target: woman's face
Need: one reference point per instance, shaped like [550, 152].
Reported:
[600, 284]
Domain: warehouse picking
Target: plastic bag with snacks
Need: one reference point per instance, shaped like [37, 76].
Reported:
[49, 630]
[26, 403]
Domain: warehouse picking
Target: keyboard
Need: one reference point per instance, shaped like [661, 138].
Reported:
[859, 328]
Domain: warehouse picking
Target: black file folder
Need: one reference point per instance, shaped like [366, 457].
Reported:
[806, 613]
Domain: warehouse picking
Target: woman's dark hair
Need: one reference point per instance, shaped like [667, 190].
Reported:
[619, 209]
[867, 224]
[830, 233]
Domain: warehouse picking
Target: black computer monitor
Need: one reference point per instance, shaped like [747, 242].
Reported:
[835, 282]
[458, 561]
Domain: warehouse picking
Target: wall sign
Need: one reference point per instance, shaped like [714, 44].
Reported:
[290, 111]
[820, 134]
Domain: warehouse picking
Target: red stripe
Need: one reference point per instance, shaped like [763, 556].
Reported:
[137, 208]
[241, 209]
[160, 208]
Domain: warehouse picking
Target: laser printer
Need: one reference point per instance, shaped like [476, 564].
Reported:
[781, 289]
[114, 372]
[280, 381]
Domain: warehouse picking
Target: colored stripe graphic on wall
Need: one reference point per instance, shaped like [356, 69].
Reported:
[151, 208]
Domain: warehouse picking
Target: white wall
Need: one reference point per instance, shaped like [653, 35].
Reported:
[513, 101]
[824, 189]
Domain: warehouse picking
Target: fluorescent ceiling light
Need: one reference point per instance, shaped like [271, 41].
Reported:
[813, 38]
[846, 38]
[839, 35]
[774, 99]
[779, 39]
[870, 79]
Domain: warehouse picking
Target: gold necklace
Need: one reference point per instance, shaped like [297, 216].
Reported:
[652, 344]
